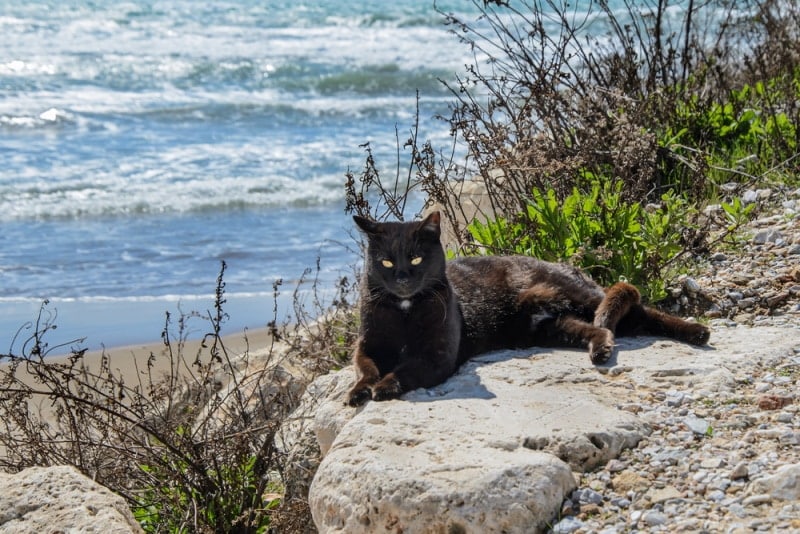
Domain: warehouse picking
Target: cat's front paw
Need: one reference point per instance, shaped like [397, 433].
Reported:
[601, 347]
[359, 395]
[387, 389]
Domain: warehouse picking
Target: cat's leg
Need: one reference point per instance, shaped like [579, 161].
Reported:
[369, 376]
[616, 304]
[572, 331]
[659, 323]
[621, 311]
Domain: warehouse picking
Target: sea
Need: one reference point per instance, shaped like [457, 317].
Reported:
[143, 143]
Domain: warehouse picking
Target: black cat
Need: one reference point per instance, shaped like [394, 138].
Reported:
[422, 317]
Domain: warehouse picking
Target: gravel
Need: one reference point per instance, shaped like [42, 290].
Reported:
[724, 455]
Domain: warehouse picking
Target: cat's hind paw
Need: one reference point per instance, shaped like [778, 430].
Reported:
[697, 334]
[359, 395]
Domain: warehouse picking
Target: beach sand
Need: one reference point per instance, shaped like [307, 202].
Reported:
[130, 363]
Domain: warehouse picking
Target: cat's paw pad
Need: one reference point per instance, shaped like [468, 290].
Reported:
[359, 395]
[600, 349]
[387, 389]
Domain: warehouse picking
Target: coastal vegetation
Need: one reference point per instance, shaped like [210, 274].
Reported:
[628, 152]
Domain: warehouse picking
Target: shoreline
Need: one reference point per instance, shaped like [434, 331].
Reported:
[129, 361]
[117, 324]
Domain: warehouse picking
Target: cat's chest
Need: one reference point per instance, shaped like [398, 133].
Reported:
[406, 317]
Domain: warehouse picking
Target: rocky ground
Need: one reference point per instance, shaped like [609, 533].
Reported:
[722, 459]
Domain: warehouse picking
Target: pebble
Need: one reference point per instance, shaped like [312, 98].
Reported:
[654, 518]
[568, 525]
[697, 425]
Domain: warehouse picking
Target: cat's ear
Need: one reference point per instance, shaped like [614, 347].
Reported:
[368, 226]
[430, 225]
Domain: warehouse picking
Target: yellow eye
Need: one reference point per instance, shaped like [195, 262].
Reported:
[387, 264]
[416, 260]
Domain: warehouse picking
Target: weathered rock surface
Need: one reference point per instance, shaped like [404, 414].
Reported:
[60, 499]
[493, 449]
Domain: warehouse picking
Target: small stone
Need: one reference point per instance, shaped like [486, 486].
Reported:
[620, 502]
[767, 236]
[715, 495]
[615, 466]
[784, 417]
[740, 471]
[749, 196]
[568, 525]
[586, 496]
[755, 500]
[664, 494]
[712, 463]
[676, 400]
[588, 510]
[789, 438]
[763, 387]
[654, 518]
[629, 481]
[738, 510]
[773, 402]
[747, 302]
[691, 286]
[763, 194]
[697, 425]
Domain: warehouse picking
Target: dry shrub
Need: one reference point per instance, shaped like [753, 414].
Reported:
[190, 440]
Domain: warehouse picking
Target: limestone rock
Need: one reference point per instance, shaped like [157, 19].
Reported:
[487, 451]
[493, 448]
[783, 485]
[309, 432]
[60, 499]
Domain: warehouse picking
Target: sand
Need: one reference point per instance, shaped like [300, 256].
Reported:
[130, 361]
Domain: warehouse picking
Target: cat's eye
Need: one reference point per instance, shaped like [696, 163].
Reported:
[416, 260]
[388, 264]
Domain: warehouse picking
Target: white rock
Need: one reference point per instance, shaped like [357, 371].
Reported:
[568, 525]
[697, 425]
[493, 448]
[60, 499]
[783, 485]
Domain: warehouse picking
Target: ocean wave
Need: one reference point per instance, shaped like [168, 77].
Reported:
[117, 196]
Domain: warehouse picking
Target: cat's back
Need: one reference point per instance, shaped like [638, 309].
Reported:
[492, 284]
[512, 273]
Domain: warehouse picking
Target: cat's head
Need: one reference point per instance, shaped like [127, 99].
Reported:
[404, 258]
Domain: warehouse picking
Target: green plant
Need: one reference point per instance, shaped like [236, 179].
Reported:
[597, 230]
[243, 498]
[737, 213]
